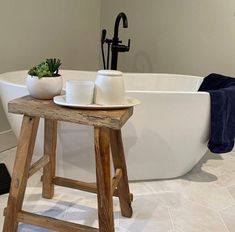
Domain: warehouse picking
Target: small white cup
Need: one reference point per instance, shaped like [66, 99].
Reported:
[79, 92]
[109, 88]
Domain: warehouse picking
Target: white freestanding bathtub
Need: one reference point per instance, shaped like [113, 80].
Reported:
[166, 136]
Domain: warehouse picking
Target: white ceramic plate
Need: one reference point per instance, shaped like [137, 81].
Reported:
[129, 101]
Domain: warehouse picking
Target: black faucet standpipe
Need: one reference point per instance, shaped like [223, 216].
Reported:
[115, 43]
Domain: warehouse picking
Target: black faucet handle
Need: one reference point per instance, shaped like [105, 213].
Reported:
[121, 47]
[126, 48]
[129, 44]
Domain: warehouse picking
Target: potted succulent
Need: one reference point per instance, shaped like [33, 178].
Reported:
[44, 80]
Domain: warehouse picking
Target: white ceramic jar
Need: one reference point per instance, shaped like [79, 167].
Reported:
[109, 88]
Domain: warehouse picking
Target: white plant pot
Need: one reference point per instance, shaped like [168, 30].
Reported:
[45, 87]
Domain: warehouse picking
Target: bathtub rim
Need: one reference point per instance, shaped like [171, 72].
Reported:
[2, 80]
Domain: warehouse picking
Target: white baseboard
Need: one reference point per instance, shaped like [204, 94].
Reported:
[7, 140]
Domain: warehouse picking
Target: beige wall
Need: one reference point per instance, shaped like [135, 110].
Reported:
[31, 30]
[180, 36]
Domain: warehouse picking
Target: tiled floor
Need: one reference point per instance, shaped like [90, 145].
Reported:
[201, 201]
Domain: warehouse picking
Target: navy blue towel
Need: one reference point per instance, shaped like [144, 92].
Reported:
[222, 93]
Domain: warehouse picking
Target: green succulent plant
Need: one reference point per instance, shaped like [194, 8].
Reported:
[47, 68]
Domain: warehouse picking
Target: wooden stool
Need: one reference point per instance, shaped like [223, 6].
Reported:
[107, 134]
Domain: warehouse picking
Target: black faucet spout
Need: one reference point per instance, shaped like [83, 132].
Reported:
[115, 44]
[117, 22]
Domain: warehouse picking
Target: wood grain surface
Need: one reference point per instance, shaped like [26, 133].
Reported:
[47, 108]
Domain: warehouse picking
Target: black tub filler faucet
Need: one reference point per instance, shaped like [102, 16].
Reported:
[115, 43]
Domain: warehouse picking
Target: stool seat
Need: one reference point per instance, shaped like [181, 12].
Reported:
[107, 141]
[27, 105]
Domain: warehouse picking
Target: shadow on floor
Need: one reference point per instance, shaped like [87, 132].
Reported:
[197, 174]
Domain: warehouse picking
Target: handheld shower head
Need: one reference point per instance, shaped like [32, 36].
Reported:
[103, 36]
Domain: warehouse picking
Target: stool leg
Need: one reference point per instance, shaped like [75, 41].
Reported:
[20, 172]
[120, 162]
[50, 139]
[103, 178]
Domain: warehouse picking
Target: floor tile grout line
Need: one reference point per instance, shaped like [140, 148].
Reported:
[171, 219]
[225, 208]
[216, 211]
[221, 218]
[229, 186]
[152, 193]
[229, 193]
[201, 205]
[231, 198]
